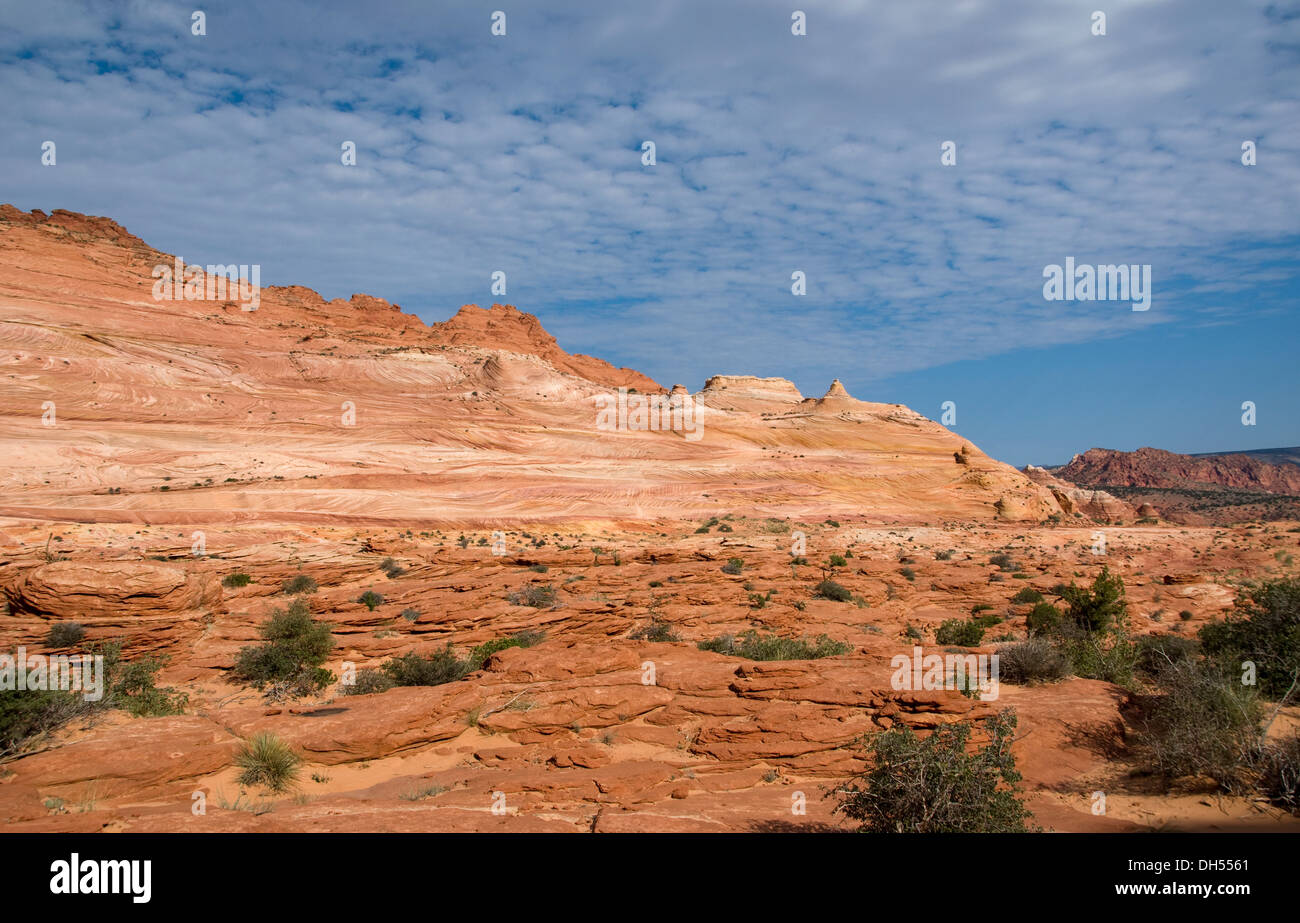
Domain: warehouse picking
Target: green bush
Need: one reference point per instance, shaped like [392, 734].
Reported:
[770, 647]
[837, 560]
[1099, 609]
[734, 566]
[908, 573]
[1203, 723]
[238, 579]
[539, 596]
[440, 667]
[371, 600]
[268, 761]
[1155, 652]
[295, 647]
[369, 681]
[480, 654]
[297, 585]
[655, 630]
[960, 633]
[65, 634]
[829, 589]
[1032, 661]
[1043, 619]
[936, 785]
[28, 716]
[1027, 595]
[1264, 628]
[391, 568]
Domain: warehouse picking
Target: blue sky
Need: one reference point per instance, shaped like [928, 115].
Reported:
[775, 153]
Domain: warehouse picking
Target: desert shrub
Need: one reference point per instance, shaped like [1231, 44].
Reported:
[26, 716]
[65, 634]
[1098, 609]
[935, 785]
[238, 579]
[908, 573]
[1003, 561]
[295, 645]
[1279, 773]
[1032, 661]
[1154, 652]
[734, 566]
[1043, 619]
[369, 681]
[753, 646]
[371, 600]
[1027, 595]
[1110, 657]
[829, 589]
[1203, 723]
[539, 596]
[944, 555]
[413, 670]
[410, 615]
[268, 761]
[960, 632]
[299, 584]
[837, 560]
[1264, 627]
[539, 568]
[132, 686]
[391, 568]
[655, 630]
[479, 655]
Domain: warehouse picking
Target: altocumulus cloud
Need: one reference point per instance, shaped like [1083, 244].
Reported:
[775, 153]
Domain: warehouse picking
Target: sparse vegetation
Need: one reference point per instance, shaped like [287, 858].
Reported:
[65, 634]
[295, 645]
[752, 646]
[1031, 661]
[301, 584]
[936, 785]
[268, 761]
[539, 596]
[235, 580]
[829, 589]
[371, 600]
[733, 566]
[960, 632]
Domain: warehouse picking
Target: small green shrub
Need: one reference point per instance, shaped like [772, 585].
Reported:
[371, 600]
[1032, 661]
[65, 634]
[268, 761]
[752, 646]
[300, 584]
[1043, 619]
[960, 632]
[1027, 595]
[295, 645]
[936, 785]
[829, 589]
[733, 566]
[369, 681]
[539, 596]
[238, 579]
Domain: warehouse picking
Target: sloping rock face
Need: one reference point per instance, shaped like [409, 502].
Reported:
[1090, 503]
[122, 406]
[74, 589]
[1149, 467]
